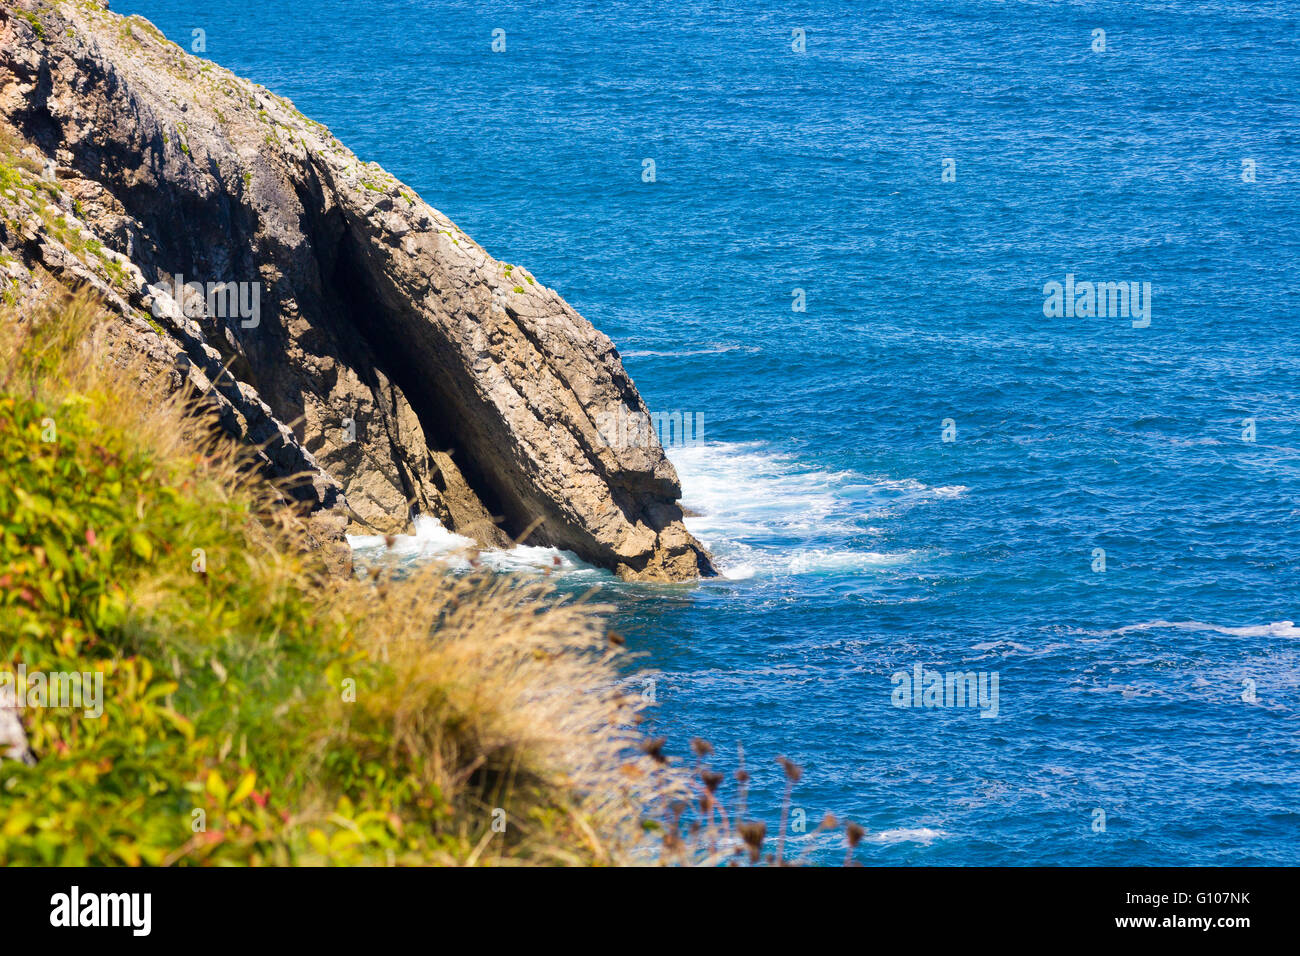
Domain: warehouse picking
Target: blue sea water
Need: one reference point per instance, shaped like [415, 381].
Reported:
[856, 542]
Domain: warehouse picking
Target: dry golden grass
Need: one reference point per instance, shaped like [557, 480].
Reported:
[390, 718]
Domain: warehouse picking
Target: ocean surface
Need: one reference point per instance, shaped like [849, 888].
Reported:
[928, 466]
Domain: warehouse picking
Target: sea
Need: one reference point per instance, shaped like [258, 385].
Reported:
[985, 318]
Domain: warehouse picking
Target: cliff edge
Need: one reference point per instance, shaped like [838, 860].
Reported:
[333, 320]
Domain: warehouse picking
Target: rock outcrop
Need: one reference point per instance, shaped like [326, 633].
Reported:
[338, 323]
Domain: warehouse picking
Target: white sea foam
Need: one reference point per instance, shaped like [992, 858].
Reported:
[906, 835]
[764, 513]
[760, 512]
[430, 537]
[431, 541]
[1276, 629]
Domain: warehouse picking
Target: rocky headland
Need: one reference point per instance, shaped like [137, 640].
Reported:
[328, 317]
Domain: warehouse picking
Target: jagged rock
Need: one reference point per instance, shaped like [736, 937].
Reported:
[419, 374]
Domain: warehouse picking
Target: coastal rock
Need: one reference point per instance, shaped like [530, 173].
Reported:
[417, 375]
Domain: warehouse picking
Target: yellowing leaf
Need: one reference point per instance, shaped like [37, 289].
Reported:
[128, 854]
[17, 823]
[244, 788]
[182, 724]
[216, 786]
[318, 841]
[140, 545]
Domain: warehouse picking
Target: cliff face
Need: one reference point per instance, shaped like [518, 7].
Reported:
[365, 341]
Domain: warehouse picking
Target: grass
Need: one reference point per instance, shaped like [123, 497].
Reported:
[11, 149]
[255, 710]
[21, 175]
[34, 22]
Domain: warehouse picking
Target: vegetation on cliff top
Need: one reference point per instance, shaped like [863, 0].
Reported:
[255, 711]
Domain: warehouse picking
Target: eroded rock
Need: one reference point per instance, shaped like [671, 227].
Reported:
[417, 375]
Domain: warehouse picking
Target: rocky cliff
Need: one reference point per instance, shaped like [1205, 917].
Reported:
[330, 317]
